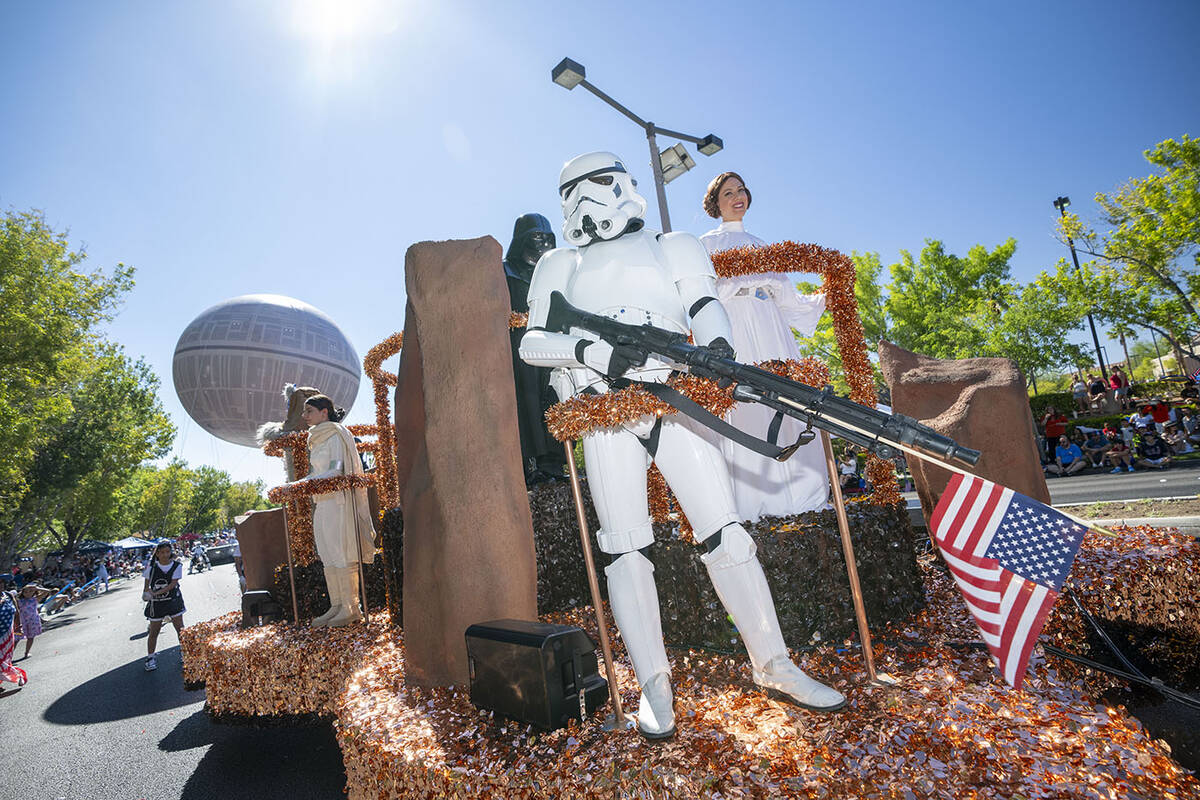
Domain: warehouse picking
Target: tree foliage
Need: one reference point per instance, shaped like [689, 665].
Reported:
[49, 309]
[1146, 268]
[948, 306]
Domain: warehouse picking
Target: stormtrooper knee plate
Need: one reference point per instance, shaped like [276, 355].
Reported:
[740, 583]
[634, 600]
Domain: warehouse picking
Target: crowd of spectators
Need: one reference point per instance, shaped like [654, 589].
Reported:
[1155, 433]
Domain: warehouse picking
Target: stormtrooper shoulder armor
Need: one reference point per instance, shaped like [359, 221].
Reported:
[552, 273]
[687, 257]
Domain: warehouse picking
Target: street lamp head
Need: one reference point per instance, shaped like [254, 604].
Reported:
[1061, 204]
[710, 145]
[675, 161]
[568, 74]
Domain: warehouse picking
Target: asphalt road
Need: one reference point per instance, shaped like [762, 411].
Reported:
[1093, 486]
[1178, 480]
[93, 724]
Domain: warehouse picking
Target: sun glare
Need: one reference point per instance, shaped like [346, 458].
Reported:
[339, 32]
[333, 22]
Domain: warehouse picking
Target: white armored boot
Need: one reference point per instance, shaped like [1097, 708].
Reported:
[634, 601]
[335, 602]
[348, 612]
[738, 578]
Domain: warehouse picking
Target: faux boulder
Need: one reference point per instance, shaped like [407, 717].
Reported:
[980, 403]
[468, 549]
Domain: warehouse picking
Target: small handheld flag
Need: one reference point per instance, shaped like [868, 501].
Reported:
[1009, 555]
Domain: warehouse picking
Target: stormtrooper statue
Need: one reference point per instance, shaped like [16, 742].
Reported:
[618, 269]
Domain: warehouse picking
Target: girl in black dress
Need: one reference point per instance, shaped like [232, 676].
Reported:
[163, 598]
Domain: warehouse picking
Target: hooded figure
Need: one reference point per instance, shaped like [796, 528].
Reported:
[295, 397]
[542, 456]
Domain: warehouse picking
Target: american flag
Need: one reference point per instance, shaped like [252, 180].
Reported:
[1009, 555]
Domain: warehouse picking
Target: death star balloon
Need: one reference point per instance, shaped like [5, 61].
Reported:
[232, 362]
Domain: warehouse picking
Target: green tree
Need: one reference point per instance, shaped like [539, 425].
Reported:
[159, 499]
[1148, 260]
[209, 488]
[947, 306]
[48, 308]
[241, 497]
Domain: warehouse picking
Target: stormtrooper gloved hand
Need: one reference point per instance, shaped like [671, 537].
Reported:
[722, 349]
[611, 362]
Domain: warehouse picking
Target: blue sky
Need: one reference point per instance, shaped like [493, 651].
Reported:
[227, 146]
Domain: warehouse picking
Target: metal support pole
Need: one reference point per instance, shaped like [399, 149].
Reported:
[659, 186]
[287, 540]
[1062, 210]
[839, 506]
[594, 588]
[362, 577]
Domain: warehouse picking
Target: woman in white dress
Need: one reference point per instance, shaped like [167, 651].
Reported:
[763, 309]
[340, 517]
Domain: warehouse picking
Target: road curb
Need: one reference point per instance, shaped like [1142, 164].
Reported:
[1186, 525]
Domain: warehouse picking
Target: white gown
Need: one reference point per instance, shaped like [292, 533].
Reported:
[763, 309]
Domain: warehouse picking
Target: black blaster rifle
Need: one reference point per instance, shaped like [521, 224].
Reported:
[882, 434]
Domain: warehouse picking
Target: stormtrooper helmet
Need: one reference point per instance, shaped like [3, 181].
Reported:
[599, 199]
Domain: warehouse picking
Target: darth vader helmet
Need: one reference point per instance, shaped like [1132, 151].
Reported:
[599, 198]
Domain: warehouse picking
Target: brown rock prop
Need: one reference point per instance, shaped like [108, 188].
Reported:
[468, 536]
[978, 402]
[261, 538]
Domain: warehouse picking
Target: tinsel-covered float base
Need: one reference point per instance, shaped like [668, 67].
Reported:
[949, 728]
[277, 672]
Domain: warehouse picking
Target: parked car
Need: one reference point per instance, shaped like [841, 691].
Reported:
[221, 554]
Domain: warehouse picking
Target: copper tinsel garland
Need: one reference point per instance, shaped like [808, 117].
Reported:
[838, 276]
[385, 444]
[315, 486]
[297, 510]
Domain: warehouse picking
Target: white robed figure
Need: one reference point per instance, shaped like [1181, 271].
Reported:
[763, 309]
[342, 528]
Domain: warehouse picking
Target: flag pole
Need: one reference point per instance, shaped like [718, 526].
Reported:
[966, 473]
[938, 462]
[619, 720]
[860, 609]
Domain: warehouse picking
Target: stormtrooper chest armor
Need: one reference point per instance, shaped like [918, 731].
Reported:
[629, 280]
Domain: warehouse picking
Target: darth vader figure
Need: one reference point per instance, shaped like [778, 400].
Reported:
[542, 457]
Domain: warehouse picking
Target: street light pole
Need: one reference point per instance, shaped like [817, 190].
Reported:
[660, 188]
[569, 74]
[1061, 204]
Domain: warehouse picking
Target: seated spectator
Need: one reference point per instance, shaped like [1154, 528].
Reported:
[1127, 432]
[1118, 454]
[1191, 426]
[1111, 429]
[1095, 446]
[1068, 458]
[1162, 413]
[1145, 418]
[1079, 391]
[1153, 451]
[1177, 439]
[1097, 391]
[1190, 390]
[848, 468]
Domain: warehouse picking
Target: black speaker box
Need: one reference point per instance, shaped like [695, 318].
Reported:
[534, 672]
[259, 608]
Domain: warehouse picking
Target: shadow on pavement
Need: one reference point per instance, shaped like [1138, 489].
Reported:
[244, 761]
[125, 692]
